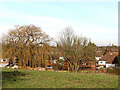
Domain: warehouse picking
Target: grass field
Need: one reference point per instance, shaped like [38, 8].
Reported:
[15, 78]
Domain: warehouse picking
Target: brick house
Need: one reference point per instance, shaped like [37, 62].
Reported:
[4, 62]
[110, 59]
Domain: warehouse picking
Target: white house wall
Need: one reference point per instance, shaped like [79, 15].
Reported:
[97, 58]
[1, 60]
[101, 62]
[61, 58]
[110, 65]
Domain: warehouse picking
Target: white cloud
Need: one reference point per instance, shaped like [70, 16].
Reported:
[100, 34]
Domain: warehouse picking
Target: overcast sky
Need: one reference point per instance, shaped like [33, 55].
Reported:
[96, 20]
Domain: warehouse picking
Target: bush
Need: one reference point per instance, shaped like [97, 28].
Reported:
[57, 66]
[114, 70]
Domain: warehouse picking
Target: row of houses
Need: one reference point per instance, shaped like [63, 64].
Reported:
[103, 60]
[106, 57]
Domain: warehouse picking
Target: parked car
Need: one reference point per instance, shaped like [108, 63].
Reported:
[49, 67]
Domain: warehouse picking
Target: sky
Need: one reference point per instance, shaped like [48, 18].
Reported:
[96, 20]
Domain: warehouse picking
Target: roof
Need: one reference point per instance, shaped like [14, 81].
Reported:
[110, 57]
[112, 48]
[99, 54]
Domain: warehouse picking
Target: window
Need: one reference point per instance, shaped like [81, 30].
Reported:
[101, 62]
[4, 60]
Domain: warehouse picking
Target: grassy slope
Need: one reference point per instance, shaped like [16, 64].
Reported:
[13, 78]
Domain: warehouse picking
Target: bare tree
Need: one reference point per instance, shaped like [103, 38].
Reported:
[75, 49]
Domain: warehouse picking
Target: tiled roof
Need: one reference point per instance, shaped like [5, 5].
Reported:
[113, 48]
[110, 57]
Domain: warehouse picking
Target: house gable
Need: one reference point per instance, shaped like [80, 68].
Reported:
[110, 57]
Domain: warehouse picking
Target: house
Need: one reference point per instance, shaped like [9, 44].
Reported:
[4, 62]
[112, 48]
[61, 58]
[65, 65]
[110, 59]
[99, 55]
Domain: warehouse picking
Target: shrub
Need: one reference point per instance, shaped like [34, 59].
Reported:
[57, 66]
[114, 70]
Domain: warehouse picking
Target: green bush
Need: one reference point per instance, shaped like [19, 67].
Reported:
[114, 70]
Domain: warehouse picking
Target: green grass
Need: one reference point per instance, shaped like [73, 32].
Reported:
[16, 78]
